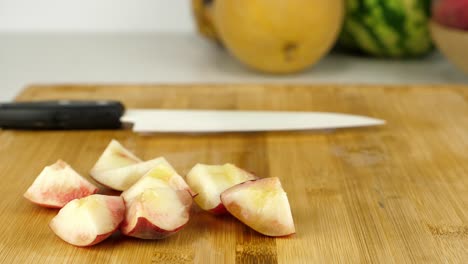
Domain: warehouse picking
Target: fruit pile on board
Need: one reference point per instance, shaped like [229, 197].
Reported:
[155, 201]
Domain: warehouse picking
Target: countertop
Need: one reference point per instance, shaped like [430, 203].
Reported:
[182, 58]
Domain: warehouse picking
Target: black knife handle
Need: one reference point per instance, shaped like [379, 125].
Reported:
[61, 114]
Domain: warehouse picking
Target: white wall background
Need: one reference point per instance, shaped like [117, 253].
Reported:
[96, 16]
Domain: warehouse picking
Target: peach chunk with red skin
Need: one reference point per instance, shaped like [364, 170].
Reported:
[156, 213]
[57, 185]
[158, 204]
[90, 220]
[262, 205]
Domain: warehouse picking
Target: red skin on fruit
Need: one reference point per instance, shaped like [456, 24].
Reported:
[219, 210]
[117, 207]
[64, 197]
[144, 229]
[451, 13]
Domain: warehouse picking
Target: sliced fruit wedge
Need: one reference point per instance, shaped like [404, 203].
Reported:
[157, 213]
[262, 205]
[209, 181]
[161, 176]
[114, 156]
[122, 178]
[57, 185]
[90, 220]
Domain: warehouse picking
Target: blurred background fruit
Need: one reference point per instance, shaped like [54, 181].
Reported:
[273, 36]
[202, 11]
[449, 29]
[451, 13]
[387, 28]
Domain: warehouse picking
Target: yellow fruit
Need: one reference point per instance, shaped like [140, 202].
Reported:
[278, 36]
[203, 18]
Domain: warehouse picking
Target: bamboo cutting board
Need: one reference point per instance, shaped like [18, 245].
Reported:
[391, 194]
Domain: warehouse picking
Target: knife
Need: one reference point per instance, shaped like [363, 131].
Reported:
[108, 114]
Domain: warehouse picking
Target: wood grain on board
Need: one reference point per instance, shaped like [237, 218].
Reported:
[391, 194]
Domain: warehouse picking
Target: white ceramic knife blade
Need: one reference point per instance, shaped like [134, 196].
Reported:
[211, 121]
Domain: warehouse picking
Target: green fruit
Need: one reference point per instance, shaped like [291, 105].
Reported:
[387, 28]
